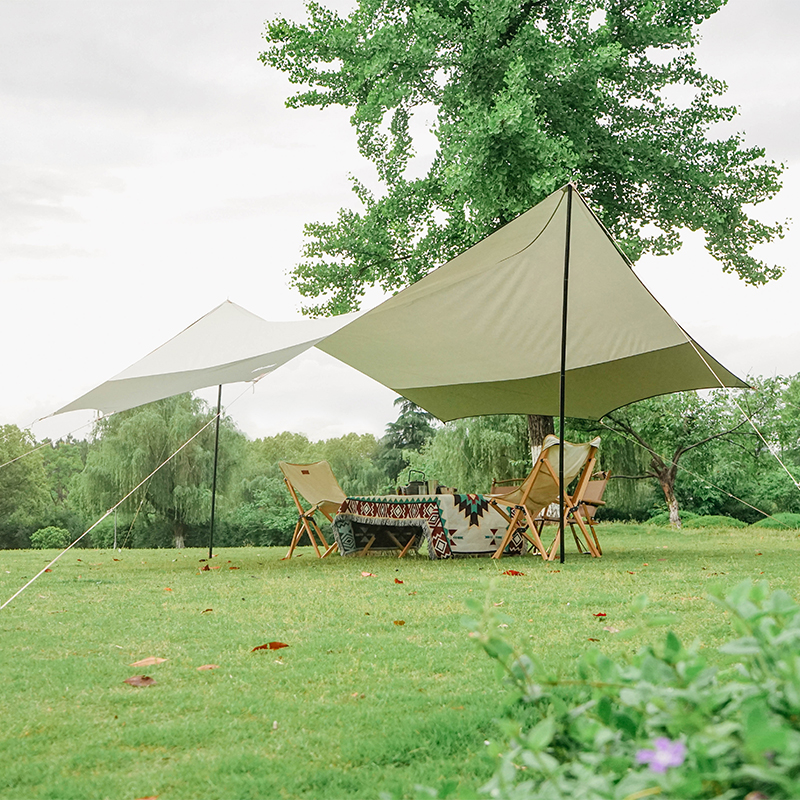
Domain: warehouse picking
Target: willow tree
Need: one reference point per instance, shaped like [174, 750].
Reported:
[130, 445]
[523, 95]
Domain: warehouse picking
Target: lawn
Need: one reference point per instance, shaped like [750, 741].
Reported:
[379, 689]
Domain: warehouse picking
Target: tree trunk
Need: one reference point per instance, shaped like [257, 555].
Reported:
[666, 479]
[538, 427]
[179, 535]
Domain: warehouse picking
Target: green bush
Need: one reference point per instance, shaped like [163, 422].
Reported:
[662, 519]
[779, 521]
[50, 538]
[714, 521]
[663, 722]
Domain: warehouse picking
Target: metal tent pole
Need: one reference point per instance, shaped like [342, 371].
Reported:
[214, 479]
[563, 380]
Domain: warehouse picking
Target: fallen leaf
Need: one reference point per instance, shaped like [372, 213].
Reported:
[115, 559]
[645, 565]
[206, 610]
[555, 570]
[631, 573]
[48, 570]
[140, 680]
[412, 592]
[758, 554]
[205, 568]
[399, 622]
[79, 559]
[590, 639]
[367, 574]
[208, 666]
[397, 580]
[167, 589]
[147, 662]
[151, 797]
[202, 559]
[269, 646]
[234, 567]
[217, 567]
[513, 572]
[600, 614]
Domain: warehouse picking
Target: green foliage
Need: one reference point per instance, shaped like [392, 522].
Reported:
[779, 521]
[662, 519]
[664, 721]
[406, 435]
[130, 445]
[469, 453]
[713, 521]
[50, 538]
[521, 98]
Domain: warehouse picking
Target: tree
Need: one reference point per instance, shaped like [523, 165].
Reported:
[524, 95]
[408, 433]
[23, 486]
[469, 453]
[129, 445]
[671, 427]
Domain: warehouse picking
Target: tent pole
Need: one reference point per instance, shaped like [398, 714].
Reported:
[214, 479]
[563, 379]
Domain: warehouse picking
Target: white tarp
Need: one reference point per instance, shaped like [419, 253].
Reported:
[227, 345]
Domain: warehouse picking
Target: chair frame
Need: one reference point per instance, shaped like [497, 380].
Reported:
[531, 530]
[306, 524]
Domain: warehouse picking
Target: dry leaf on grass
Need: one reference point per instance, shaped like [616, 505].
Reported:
[397, 580]
[140, 680]
[269, 646]
[148, 662]
[513, 572]
[399, 622]
[206, 610]
[208, 666]
[600, 614]
[367, 574]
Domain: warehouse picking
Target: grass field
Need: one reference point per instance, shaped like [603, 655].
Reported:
[357, 704]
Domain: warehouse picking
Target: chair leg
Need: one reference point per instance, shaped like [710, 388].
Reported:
[515, 518]
[408, 546]
[295, 538]
[367, 547]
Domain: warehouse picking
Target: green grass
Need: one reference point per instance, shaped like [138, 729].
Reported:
[356, 705]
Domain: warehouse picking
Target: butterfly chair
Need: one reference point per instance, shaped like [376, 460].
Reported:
[318, 486]
[540, 489]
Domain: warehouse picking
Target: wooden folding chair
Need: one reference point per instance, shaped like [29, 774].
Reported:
[540, 489]
[591, 501]
[318, 486]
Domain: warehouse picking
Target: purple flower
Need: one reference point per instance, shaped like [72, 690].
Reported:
[665, 754]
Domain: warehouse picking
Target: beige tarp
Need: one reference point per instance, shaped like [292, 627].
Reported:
[482, 334]
[227, 345]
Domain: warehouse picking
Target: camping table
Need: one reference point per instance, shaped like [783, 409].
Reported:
[451, 524]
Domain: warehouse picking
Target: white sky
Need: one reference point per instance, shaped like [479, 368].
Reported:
[151, 170]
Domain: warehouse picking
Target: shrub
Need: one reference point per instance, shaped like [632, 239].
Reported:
[663, 518]
[714, 521]
[779, 521]
[661, 723]
[50, 538]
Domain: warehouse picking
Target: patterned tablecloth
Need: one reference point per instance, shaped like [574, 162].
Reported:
[451, 524]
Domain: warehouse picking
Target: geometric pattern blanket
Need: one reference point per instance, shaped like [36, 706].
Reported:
[450, 524]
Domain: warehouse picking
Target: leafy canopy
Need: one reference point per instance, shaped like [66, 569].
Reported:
[524, 96]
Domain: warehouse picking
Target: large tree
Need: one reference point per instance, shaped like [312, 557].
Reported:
[130, 445]
[522, 96]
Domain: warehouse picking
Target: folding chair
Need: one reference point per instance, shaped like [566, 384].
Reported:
[318, 486]
[540, 489]
[592, 500]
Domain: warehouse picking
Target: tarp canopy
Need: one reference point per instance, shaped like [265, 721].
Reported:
[227, 345]
[482, 334]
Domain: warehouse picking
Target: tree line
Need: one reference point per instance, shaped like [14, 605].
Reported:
[691, 452]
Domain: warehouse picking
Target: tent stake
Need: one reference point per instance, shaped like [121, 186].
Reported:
[214, 479]
[563, 380]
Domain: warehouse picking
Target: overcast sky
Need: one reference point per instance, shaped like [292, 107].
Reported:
[151, 170]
